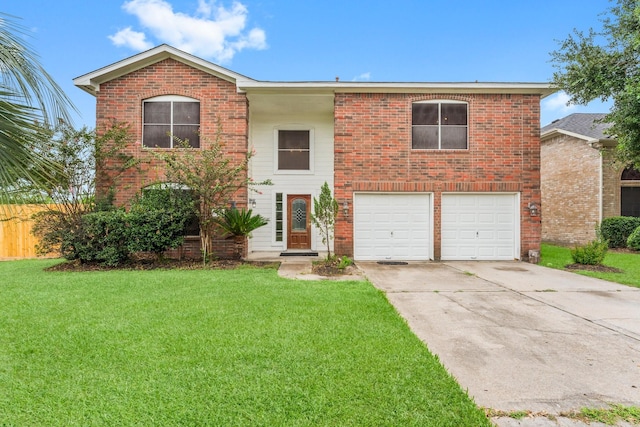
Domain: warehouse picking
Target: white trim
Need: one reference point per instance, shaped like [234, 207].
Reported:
[278, 171]
[170, 98]
[600, 189]
[552, 132]
[90, 82]
[542, 89]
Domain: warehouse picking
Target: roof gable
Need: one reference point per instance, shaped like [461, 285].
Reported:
[90, 82]
[587, 126]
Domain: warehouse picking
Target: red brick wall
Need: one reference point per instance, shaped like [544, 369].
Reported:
[373, 153]
[121, 100]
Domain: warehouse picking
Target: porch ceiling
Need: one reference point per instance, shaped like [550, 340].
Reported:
[290, 103]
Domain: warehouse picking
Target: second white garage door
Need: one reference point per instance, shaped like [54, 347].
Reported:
[392, 226]
[480, 227]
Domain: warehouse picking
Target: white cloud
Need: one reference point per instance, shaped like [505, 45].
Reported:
[559, 102]
[364, 77]
[214, 31]
[133, 39]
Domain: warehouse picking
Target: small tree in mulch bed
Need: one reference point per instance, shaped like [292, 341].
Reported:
[325, 211]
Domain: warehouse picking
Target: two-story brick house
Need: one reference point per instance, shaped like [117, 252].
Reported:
[420, 170]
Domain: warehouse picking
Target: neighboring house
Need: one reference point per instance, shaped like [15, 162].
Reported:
[581, 181]
[420, 170]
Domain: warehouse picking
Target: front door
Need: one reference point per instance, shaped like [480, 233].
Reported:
[299, 233]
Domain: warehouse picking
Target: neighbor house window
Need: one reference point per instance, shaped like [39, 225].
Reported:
[439, 125]
[630, 192]
[294, 150]
[170, 120]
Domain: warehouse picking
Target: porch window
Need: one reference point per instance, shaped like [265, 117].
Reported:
[279, 217]
[294, 150]
[439, 125]
[170, 119]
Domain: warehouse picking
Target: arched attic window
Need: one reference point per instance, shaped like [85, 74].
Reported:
[166, 193]
[169, 119]
[630, 192]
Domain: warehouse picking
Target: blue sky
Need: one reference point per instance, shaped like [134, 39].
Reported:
[303, 40]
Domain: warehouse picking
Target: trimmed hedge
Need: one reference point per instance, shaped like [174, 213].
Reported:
[617, 230]
[633, 242]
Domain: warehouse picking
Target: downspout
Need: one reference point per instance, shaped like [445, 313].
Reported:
[600, 192]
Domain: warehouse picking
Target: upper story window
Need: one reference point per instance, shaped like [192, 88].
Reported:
[294, 150]
[166, 118]
[439, 125]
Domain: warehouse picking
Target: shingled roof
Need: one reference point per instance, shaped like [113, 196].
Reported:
[586, 125]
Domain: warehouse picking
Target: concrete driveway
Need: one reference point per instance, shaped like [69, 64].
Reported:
[519, 336]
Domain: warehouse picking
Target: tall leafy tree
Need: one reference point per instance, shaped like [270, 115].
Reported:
[605, 65]
[213, 176]
[29, 97]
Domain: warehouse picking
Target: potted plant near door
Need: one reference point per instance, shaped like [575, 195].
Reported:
[238, 224]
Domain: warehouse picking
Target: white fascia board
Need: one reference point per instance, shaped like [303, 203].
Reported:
[542, 89]
[554, 132]
[90, 82]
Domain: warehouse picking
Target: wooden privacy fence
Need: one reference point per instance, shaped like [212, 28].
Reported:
[16, 240]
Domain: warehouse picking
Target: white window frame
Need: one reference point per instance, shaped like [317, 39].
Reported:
[276, 169]
[172, 99]
[440, 102]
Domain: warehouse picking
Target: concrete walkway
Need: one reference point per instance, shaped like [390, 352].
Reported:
[521, 337]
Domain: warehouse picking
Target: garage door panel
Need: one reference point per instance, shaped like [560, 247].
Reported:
[392, 226]
[485, 226]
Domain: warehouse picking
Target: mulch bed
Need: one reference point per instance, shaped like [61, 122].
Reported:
[164, 264]
[597, 268]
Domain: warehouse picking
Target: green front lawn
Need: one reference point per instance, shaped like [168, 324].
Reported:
[558, 256]
[220, 348]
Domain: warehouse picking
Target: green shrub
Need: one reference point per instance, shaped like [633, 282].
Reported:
[633, 242]
[102, 239]
[240, 222]
[617, 230]
[345, 262]
[592, 253]
[157, 221]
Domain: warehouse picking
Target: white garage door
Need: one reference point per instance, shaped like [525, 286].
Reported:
[480, 227]
[392, 226]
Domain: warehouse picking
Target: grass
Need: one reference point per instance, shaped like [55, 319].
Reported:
[219, 348]
[558, 257]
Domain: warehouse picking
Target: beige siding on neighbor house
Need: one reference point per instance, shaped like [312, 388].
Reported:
[570, 184]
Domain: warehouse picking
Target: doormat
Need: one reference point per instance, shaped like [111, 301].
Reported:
[298, 253]
[393, 263]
